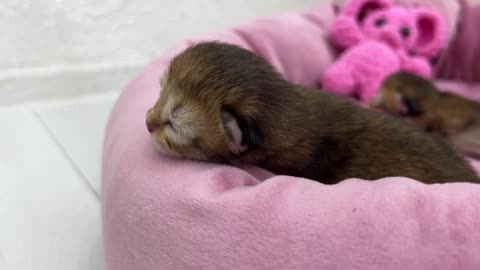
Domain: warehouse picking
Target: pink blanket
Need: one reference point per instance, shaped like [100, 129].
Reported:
[162, 213]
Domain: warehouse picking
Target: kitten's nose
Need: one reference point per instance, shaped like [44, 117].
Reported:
[152, 124]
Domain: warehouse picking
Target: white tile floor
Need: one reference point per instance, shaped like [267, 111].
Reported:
[50, 185]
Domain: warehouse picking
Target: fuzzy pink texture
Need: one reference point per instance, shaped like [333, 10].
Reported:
[161, 213]
[406, 39]
[449, 9]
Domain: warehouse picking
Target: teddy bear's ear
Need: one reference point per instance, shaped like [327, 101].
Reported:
[432, 33]
[362, 8]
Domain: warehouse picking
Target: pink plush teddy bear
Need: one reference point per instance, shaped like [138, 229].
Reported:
[380, 39]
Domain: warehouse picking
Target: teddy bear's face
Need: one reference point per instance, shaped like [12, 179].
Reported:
[394, 26]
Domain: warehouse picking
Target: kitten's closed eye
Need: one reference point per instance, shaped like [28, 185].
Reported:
[177, 111]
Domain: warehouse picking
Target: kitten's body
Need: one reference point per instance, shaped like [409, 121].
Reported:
[225, 104]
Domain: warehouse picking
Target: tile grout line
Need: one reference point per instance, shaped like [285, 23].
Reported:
[41, 103]
[67, 156]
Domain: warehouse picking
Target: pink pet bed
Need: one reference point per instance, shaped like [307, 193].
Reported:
[162, 213]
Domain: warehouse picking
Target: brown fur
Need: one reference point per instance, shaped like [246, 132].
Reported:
[438, 112]
[287, 129]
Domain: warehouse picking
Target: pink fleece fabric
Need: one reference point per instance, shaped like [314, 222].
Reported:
[161, 213]
[462, 60]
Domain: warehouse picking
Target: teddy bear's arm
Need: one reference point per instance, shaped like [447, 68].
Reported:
[416, 65]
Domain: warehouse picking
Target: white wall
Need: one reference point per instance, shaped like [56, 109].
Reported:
[52, 48]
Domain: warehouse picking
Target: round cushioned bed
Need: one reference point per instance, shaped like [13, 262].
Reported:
[162, 213]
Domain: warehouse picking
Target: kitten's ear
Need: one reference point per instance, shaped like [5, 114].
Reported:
[251, 133]
[234, 133]
[242, 133]
[412, 106]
